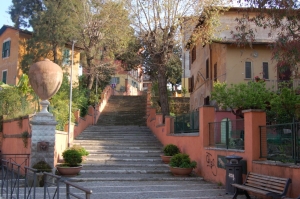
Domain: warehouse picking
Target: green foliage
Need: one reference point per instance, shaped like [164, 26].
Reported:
[237, 97]
[285, 104]
[72, 157]
[170, 150]
[60, 101]
[182, 160]
[80, 149]
[281, 107]
[174, 69]
[25, 135]
[42, 166]
[16, 101]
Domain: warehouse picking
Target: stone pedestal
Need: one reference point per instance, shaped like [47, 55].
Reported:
[43, 139]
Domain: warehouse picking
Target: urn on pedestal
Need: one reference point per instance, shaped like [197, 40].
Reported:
[45, 78]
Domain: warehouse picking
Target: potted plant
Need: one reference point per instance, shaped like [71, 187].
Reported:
[81, 150]
[169, 150]
[71, 165]
[181, 164]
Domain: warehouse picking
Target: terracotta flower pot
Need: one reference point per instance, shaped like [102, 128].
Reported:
[176, 171]
[45, 78]
[68, 171]
[166, 159]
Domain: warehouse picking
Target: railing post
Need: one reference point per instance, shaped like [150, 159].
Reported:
[68, 190]
[227, 133]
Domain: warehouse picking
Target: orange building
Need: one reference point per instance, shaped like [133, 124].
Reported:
[12, 51]
[222, 60]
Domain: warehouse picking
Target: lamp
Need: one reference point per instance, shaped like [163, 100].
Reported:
[70, 102]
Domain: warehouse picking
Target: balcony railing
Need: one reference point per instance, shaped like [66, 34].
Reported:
[275, 85]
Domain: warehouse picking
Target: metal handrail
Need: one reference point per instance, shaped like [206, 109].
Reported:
[30, 172]
[10, 179]
[88, 192]
[48, 183]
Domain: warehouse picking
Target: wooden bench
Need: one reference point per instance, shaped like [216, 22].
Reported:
[262, 184]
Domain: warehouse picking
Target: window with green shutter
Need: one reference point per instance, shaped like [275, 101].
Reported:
[6, 49]
[66, 57]
[4, 76]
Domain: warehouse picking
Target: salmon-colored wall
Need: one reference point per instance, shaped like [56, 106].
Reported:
[281, 171]
[209, 158]
[12, 142]
[61, 143]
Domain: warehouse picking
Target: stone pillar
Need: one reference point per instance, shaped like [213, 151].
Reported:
[206, 115]
[45, 78]
[253, 118]
[43, 139]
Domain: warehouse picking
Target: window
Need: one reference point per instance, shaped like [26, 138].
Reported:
[207, 68]
[66, 57]
[265, 70]
[191, 84]
[215, 72]
[193, 54]
[248, 70]
[4, 76]
[115, 80]
[6, 49]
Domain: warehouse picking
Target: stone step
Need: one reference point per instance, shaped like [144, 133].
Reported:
[124, 171]
[125, 129]
[113, 151]
[84, 177]
[101, 143]
[125, 155]
[123, 165]
[116, 147]
[101, 159]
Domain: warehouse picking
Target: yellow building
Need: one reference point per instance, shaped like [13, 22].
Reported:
[12, 49]
[127, 82]
[223, 61]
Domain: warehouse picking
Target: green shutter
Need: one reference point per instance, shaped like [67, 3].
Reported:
[4, 76]
[3, 49]
[8, 48]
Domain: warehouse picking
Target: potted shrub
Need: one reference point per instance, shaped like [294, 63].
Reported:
[181, 164]
[169, 150]
[81, 150]
[71, 165]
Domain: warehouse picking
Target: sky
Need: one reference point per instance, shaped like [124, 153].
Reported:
[4, 16]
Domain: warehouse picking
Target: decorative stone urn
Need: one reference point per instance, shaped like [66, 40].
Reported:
[45, 78]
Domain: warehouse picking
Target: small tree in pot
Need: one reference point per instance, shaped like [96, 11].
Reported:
[181, 164]
[169, 150]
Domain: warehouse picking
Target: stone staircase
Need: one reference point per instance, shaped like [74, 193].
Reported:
[122, 153]
[124, 160]
[124, 110]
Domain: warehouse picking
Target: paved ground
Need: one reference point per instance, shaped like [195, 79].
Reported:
[144, 190]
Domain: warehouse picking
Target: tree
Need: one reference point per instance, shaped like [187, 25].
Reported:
[157, 24]
[104, 30]
[281, 106]
[238, 97]
[52, 26]
[21, 11]
[282, 18]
